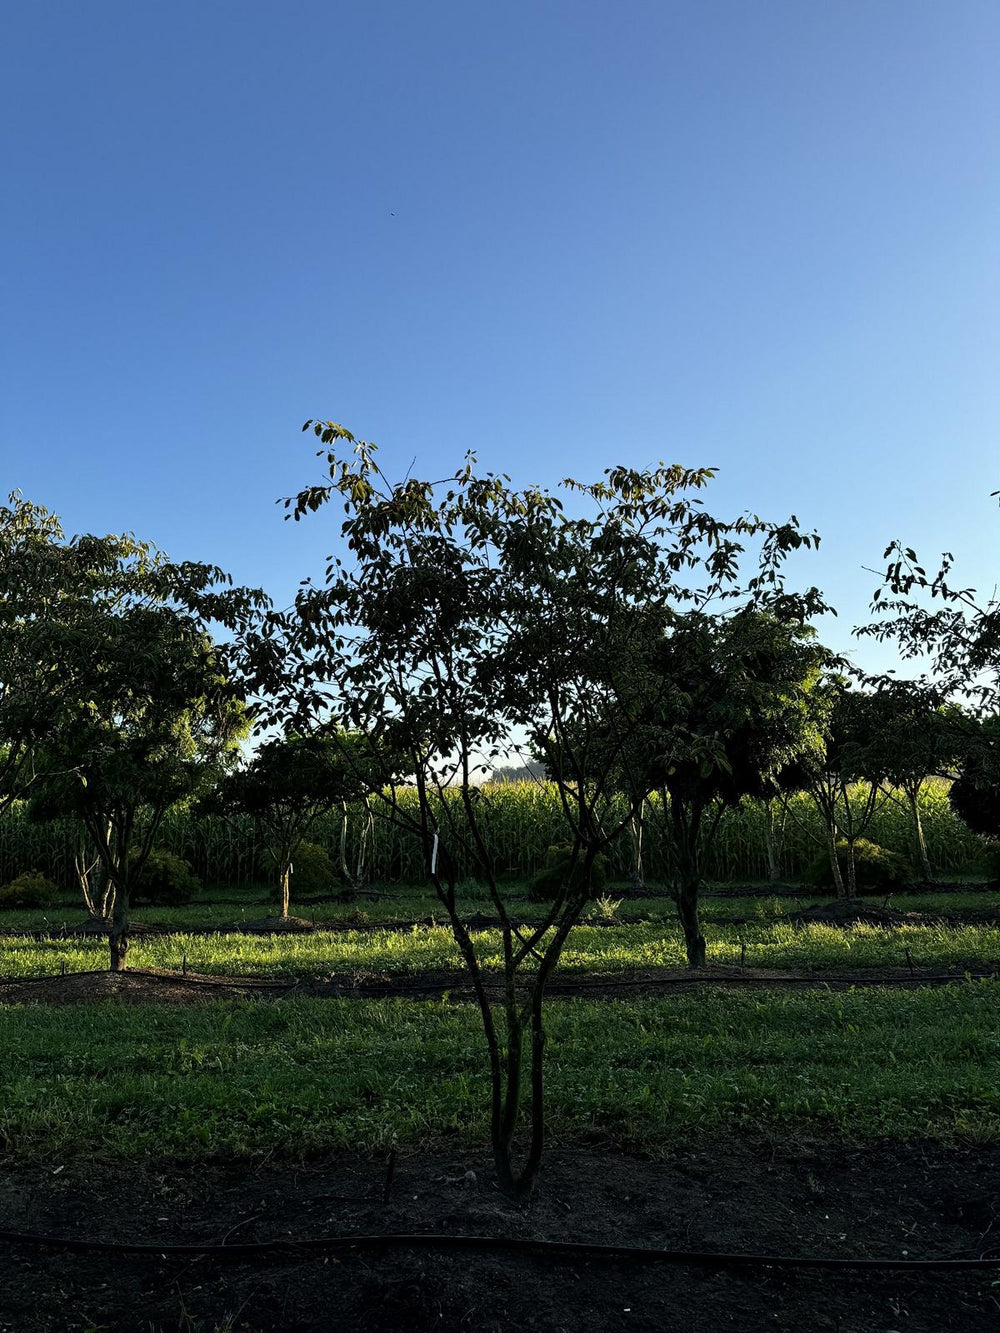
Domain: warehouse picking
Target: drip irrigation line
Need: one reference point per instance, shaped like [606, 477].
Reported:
[566, 1251]
[387, 989]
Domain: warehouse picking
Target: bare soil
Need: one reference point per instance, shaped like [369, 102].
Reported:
[157, 986]
[886, 1202]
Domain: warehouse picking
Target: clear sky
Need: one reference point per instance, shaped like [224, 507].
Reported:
[762, 236]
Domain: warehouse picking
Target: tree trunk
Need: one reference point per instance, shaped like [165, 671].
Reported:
[831, 843]
[925, 861]
[687, 910]
[773, 860]
[851, 887]
[345, 874]
[635, 828]
[286, 887]
[510, 1092]
[118, 935]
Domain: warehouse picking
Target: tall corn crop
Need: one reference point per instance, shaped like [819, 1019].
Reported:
[520, 821]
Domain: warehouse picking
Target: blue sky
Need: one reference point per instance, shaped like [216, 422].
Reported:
[568, 235]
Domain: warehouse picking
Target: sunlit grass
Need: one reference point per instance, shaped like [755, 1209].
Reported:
[771, 944]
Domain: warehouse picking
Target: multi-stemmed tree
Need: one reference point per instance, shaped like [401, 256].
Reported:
[459, 617]
[288, 784]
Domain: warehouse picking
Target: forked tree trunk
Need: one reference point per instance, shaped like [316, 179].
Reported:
[831, 843]
[636, 829]
[918, 828]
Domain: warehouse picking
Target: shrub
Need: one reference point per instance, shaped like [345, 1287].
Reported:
[876, 869]
[975, 798]
[556, 872]
[312, 869]
[29, 889]
[164, 881]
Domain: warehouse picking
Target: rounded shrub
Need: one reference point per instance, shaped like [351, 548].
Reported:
[312, 869]
[976, 802]
[876, 869]
[29, 889]
[164, 881]
[556, 872]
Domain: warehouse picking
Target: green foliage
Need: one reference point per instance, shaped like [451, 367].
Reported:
[30, 889]
[976, 801]
[519, 821]
[312, 869]
[164, 880]
[876, 869]
[559, 872]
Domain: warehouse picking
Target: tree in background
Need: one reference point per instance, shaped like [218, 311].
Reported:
[975, 794]
[913, 739]
[289, 783]
[33, 590]
[843, 776]
[463, 613]
[134, 706]
[739, 710]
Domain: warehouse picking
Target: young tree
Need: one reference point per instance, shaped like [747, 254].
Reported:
[913, 738]
[30, 547]
[844, 776]
[288, 784]
[133, 705]
[740, 710]
[464, 613]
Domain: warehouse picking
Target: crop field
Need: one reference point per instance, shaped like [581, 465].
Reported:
[520, 821]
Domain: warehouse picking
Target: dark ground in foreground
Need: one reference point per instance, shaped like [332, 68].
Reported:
[919, 1201]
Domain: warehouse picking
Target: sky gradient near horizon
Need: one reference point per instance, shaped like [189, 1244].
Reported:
[565, 235]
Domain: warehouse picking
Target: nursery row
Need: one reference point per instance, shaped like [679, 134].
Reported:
[521, 821]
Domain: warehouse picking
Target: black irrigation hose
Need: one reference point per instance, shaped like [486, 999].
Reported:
[565, 1251]
[386, 989]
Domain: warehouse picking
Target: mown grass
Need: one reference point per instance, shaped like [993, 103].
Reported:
[308, 1076]
[770, 944]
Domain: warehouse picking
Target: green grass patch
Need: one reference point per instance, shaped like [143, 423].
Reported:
[309, 1076]
[771, 944]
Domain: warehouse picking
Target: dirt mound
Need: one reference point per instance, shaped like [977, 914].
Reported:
[841, 912]
[278, 925]
[132, 987]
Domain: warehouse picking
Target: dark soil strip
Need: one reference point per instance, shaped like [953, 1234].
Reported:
[888, 1203]
[159, 987]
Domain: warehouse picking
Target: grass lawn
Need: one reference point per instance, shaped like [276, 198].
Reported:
[307, 1076]
[771, 944]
